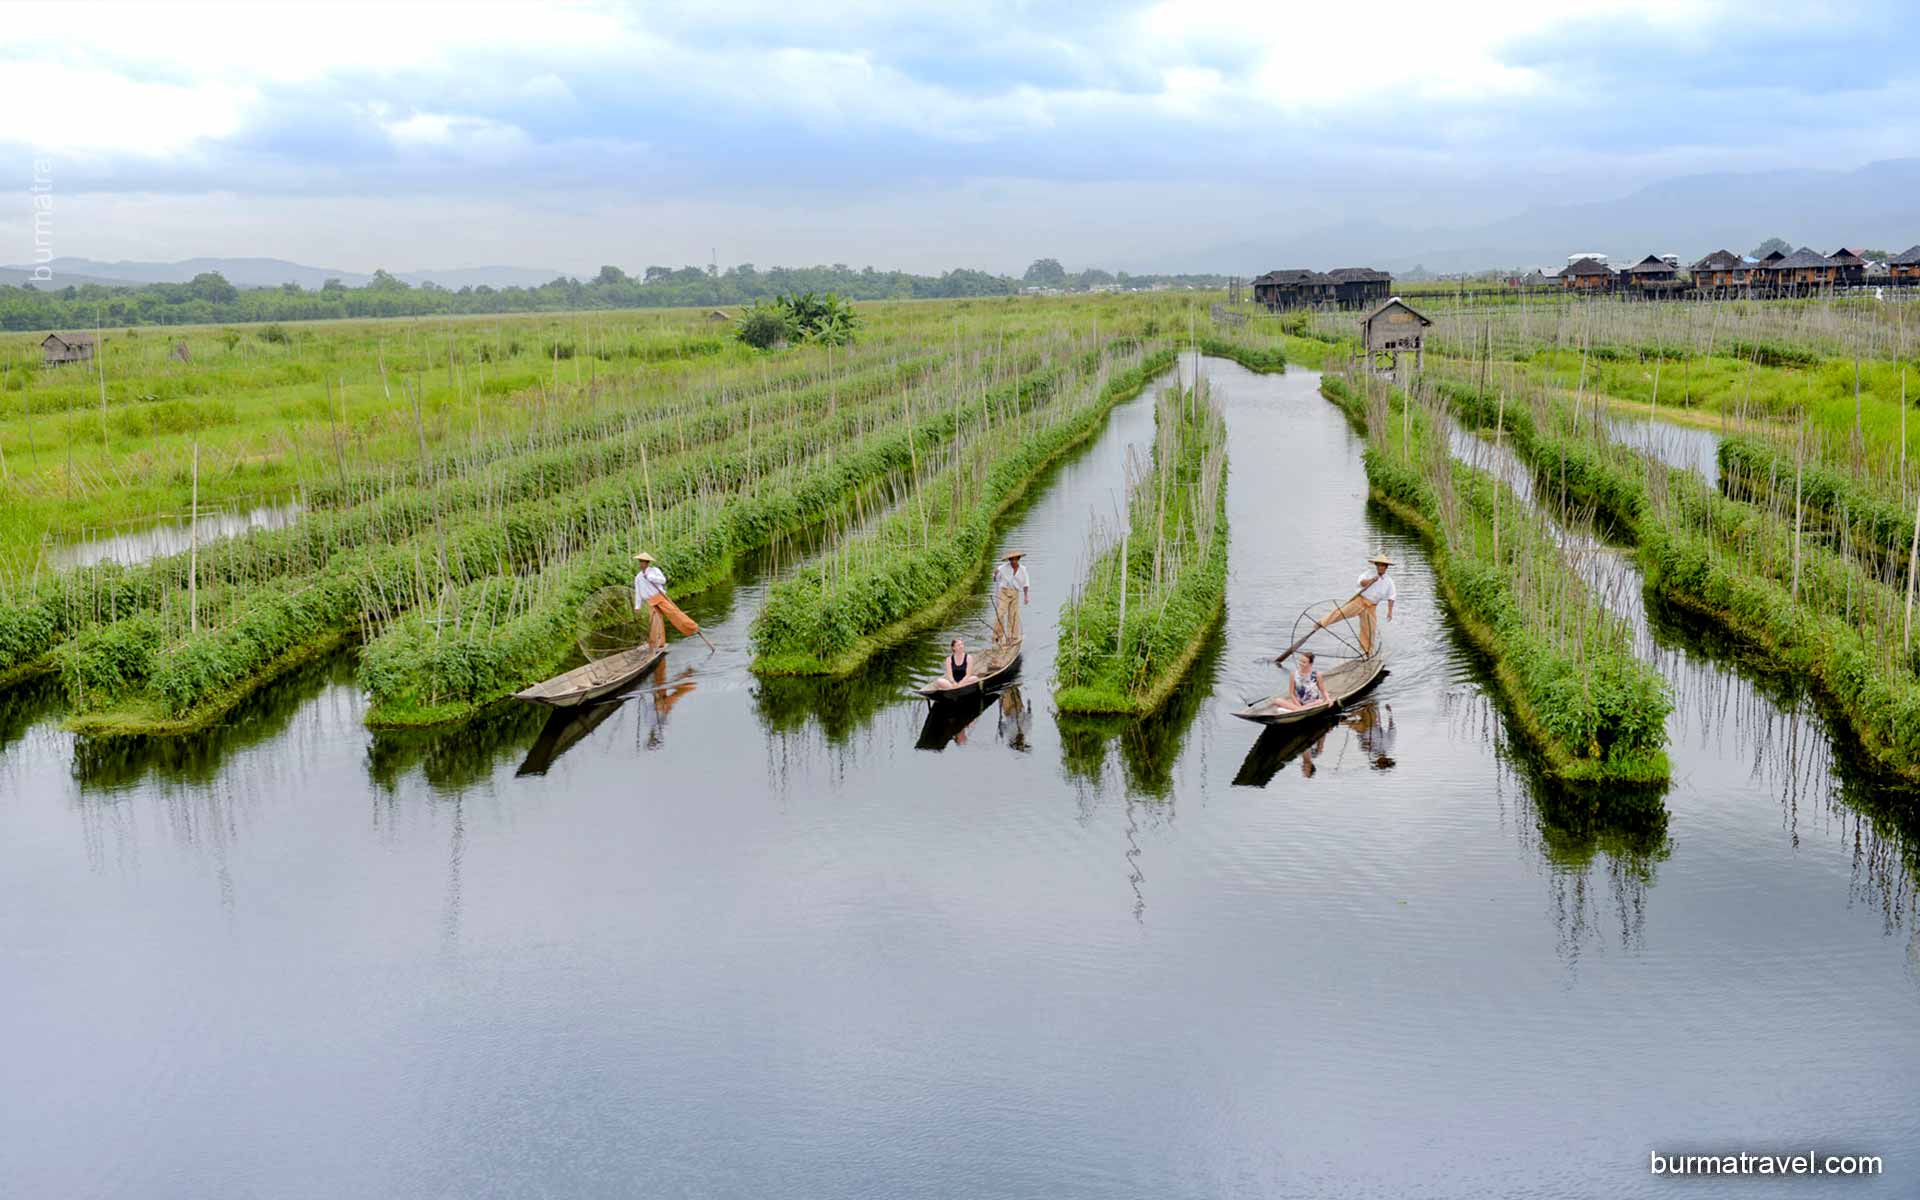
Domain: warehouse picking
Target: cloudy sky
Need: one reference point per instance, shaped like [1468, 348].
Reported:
[1127, 135]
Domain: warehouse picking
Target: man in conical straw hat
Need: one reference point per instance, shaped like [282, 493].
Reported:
[650, 593]
[1011, 589]
[1376, 588]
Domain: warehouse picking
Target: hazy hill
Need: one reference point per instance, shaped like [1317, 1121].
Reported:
[1875, 205]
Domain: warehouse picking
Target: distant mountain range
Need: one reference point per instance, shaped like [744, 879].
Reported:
[266, 272]
[1877, 205]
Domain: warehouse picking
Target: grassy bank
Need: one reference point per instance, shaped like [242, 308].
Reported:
[1156, 589]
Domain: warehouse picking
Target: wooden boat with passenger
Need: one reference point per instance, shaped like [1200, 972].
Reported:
[602, 677]
[1344, 681]
[1002, 665]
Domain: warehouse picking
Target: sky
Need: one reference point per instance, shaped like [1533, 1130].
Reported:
[1135, 136]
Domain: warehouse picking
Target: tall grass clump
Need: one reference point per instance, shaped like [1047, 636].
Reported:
[1156, 586]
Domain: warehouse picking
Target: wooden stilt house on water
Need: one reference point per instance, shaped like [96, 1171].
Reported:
[1721, 273]
[1587, 275]
[1342, 287]
[1651, 276]
[1905, 266]
[1796, 274]
[1849, 269]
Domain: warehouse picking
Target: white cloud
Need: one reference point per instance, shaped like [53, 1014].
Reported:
[70, 109]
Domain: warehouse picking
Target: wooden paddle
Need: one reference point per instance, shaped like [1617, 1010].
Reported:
[1284, 655]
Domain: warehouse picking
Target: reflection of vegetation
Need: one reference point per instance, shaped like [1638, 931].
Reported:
[113, 762]
[452, 759]
[1888, 804]
[1149, 746]
[24, 705]
[840, 705]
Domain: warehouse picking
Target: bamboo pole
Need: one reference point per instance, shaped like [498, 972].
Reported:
[193, 548]
[1799, 463]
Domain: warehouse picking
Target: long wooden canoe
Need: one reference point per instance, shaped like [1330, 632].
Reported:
[1343, 682]
[1003, 663]
[602, 677]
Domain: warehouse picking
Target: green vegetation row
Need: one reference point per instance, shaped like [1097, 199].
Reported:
[1155, 592]
[418, 675]
[54, 607]
[1594, 712]
[177, 683]
[913, 566]
[1844, 506]
[1749, 563]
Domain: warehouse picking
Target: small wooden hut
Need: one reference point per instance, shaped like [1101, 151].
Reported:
[1391, 328]
[57, 349]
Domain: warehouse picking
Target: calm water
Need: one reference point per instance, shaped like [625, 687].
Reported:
[729, 938]
[170, 537]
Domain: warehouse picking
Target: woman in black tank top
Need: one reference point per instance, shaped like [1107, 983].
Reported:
[959, 665]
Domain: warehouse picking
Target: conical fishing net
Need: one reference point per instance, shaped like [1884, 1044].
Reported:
[608, 624]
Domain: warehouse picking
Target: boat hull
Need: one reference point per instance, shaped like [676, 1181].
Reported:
[602, 677]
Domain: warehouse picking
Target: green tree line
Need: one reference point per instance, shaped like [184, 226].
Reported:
[211, 299]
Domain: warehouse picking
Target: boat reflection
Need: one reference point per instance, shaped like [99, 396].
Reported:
[947, 722]
[565, 728]
[1370, 729]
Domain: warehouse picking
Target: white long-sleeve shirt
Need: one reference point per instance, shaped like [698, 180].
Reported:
[648, 584]
[1006, 575]
[1377, 589]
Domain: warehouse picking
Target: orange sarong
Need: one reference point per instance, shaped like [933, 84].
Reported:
[662, 606]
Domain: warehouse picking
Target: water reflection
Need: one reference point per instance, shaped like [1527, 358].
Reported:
[657, 703]
[841, 706]
[946, 723]
[1015, 719]
[118, 763]
[1368, 732]
[1683, 446]
[564, 729]
[456, 757]
[1149, 746]
[154, 541]
[26, 704]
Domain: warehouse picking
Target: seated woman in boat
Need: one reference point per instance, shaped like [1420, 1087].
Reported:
[1306, 690]
[958, 669]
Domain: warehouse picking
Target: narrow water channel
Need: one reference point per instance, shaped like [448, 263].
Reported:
[132, 546]
[743, 937]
